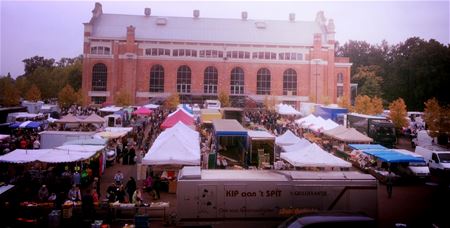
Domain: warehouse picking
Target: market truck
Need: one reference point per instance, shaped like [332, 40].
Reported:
[213, 196]
[380, 129]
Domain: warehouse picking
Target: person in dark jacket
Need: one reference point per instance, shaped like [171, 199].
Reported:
[131, 187]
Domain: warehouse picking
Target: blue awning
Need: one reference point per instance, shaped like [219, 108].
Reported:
[26, 124]
[392, 156]
[367, 146]
[187, 109]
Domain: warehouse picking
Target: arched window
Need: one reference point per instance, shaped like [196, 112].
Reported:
[237, 81]
[290, 82]
[184, 79]
[210, 80]
[99, 77]
[157, 79]
[340, 78]
[263, 82]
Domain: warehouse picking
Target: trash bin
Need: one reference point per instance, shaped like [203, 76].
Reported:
[141, 221]
[54, 219]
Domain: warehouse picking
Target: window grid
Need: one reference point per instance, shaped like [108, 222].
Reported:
[290, 82]
[237, 81]
[100, 50]
[98, 100]
[184, 79]
[210, 80]
[263, 82]
[157, 79]
[340, 91]
[99, 77]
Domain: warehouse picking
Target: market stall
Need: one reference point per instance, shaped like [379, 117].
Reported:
[175, 117]
[314, 157]
[288, 138]
[231, 140]
[285, 109]
[262, 148]
[143, 111]
[208, 115]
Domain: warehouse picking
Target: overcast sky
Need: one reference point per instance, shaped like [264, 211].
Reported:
[54, 29]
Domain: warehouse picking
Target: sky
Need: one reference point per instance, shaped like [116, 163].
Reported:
[54, 29]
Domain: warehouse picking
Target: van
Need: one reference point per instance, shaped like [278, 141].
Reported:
[413, 169]
[212, 104]
[437, 158]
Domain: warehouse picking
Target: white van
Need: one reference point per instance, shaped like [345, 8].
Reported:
[414, 169]
[212, 104]
[437, 158]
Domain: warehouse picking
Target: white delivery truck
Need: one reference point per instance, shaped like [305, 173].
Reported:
[214, 196]
[437, 158]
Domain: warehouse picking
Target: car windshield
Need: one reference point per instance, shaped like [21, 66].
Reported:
[444, 158]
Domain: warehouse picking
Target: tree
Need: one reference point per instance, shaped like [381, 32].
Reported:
[377, 106]
[67, 97]
[9, 95]
[33, 94]
[123, 98]
[398, 114]
[224, 99]
[432, 115]
[31, 64]
[172, 101]
[344, 102]
[362, 104]
[369, 83]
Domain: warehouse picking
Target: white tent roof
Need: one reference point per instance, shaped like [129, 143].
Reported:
[255, 135]
[314, 156]
[62, 154]
[308, 118]
[110, 109]
[119, 129]
[303, 143]
[178, 145]
[288, 138]
[151, 106]
[285, 109]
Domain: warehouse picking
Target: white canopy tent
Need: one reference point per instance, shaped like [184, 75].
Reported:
[62, 154]
[314, 156]
[284, 109]
[288, 138]
[178, 145]
[303, 143]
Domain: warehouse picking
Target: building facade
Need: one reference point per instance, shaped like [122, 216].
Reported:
[151, 57]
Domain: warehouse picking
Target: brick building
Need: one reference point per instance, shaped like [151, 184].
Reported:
[151, 57]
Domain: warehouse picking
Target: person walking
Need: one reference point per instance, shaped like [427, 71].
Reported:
[118, 178]
[131, 188]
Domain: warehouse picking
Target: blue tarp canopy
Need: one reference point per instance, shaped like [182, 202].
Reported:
[392, 156]
[26, 124]
[187, 109]
[367, 146]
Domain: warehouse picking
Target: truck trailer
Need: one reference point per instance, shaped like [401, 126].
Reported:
[214, 196]
[380, 129]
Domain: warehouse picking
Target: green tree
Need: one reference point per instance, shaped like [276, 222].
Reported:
[33, 94]
[67, 97]
[224, 99]
[369, 83]
[398, 114]
[31, 64]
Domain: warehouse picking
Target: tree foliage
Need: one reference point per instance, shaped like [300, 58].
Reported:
[366, 105]
[33, 94]
[9, 95]
[224, 99]
[172, 101]
[344, 102]
[369, 83]
[68, 96]
[398, 113]
[122, 98]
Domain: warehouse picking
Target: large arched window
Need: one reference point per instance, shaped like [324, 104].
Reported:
[263, 82]
[99, 77]
[290, 82]
[184, 79]
[237, 81]
[210, 80]
[157, 79]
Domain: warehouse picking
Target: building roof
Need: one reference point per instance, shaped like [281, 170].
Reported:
[211, 30]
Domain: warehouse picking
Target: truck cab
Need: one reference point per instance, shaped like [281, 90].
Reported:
[437, 158]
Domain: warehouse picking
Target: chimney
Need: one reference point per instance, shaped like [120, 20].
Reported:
[147, 11]
[244, 15]
[292, 17]
[196, 13]
[97, 11]
[131, 34]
